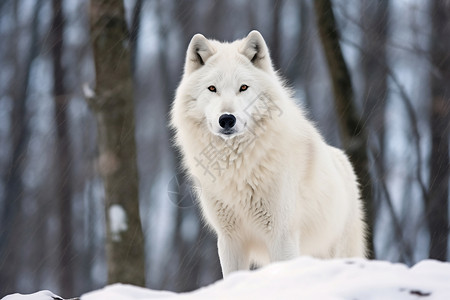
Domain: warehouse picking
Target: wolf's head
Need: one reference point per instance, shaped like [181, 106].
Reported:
[226, 86]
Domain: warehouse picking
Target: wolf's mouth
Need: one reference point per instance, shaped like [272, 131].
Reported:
[228, 131]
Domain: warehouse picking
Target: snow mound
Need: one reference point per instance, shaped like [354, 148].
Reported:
[309, 278]
[42, 295]
[302, 278]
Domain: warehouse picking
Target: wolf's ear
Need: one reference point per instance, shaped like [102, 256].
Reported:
[199, 50]
[255, 48]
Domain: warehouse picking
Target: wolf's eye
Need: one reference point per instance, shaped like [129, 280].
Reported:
[212, 88]
[243, 87]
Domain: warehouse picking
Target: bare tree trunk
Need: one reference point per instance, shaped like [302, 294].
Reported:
[353, 133]
[63, 179]
[437, 204]
[114, 111]
[19, 138]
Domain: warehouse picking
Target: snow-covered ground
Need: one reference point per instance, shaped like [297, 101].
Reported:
[307, 278]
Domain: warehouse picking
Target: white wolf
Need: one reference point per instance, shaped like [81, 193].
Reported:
[268, 184]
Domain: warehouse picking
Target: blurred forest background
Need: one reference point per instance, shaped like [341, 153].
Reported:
[52, 211]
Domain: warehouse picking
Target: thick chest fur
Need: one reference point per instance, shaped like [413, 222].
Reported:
[242, 199]
[251, 214]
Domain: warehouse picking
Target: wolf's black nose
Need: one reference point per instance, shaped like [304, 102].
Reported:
[227, 121]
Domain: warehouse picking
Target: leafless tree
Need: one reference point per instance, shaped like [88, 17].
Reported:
[353, 132]
[63, 178]
[19, 137]
[114, 110]
[437, 204]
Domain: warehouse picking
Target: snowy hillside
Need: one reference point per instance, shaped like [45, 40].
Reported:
[308, 278]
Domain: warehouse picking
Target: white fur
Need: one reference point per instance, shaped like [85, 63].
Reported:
[272, 190]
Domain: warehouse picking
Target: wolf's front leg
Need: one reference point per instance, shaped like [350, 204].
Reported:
[284, 248]
[232, 255]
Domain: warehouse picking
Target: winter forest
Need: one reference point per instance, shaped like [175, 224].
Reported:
[78, 76]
